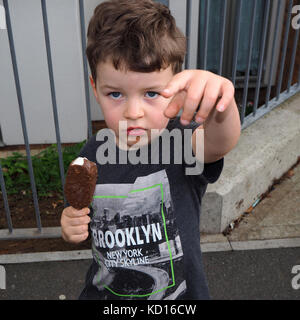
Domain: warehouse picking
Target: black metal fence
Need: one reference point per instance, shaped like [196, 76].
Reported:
[246, 119]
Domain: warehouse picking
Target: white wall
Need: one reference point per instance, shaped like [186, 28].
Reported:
[28, 32]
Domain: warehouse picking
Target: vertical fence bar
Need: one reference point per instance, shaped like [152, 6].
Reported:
[262, 53]
[188, 32]
[53, 93]
[5, 200]
[299, 77]
[222, 31]
[292, 65]
[250, 47]
[273, 56]
[85, 68]
[206, 24]
[1, 139]
[236, 40]
[22, 114]
[285, 43]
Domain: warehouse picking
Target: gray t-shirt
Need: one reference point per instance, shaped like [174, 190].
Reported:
[145, 228]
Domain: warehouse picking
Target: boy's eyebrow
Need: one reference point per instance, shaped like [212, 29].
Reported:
[158, 87]
[108, 87]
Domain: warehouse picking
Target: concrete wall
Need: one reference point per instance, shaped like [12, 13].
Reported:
[266, 150]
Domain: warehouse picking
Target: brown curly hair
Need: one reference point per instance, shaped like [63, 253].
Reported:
[135, 35]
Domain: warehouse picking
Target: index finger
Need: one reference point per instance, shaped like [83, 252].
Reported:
[178, 83]
[227, 95]
[74, 213]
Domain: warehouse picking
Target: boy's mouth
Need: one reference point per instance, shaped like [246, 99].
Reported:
[135, 131]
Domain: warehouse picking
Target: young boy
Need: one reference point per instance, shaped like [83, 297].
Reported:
[145, 217]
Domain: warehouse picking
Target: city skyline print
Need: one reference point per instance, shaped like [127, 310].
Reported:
[136, 243]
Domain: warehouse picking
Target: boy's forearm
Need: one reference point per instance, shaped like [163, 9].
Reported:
[222, 130]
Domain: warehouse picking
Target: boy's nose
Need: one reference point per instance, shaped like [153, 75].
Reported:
[133, 110]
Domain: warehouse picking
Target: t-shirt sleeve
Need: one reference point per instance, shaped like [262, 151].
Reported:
[88, 150]
[213, 170]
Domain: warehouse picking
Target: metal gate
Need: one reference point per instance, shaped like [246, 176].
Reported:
[278, 27]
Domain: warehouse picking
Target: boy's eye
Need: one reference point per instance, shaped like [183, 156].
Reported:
[152, 94]
[115, 95]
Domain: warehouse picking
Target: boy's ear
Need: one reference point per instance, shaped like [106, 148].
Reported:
[92, 82]
[94, 88]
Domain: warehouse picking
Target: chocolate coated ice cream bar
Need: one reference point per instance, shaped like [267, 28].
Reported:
[80, 182]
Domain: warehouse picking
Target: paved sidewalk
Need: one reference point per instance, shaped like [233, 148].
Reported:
[277, 216]
[272, 223]
[231, 275]
[255, 261]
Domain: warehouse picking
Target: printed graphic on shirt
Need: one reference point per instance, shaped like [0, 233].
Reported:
[136, 243]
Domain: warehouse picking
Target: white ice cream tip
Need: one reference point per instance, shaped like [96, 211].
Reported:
[79, 161]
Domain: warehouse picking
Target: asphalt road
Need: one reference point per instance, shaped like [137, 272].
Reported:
[231, 275]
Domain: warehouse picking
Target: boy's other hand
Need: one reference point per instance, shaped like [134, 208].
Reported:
[74, 224]
[189, 88]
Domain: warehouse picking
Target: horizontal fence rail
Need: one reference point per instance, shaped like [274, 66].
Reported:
[264, 67]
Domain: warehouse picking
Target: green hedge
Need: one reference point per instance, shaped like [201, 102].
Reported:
[45, 167]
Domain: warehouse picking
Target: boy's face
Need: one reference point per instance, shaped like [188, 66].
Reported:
[132, 97]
